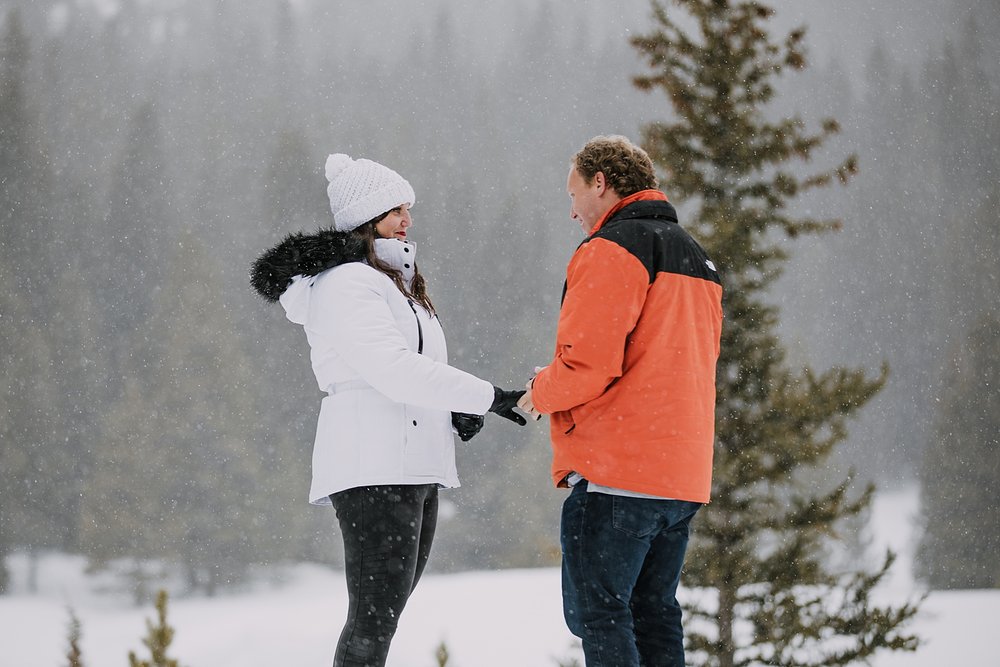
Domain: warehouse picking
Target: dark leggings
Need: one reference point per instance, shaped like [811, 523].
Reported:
[387, 532]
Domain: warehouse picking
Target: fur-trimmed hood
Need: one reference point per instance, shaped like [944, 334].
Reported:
[302, 254]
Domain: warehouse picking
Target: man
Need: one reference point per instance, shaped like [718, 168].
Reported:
[631, 396]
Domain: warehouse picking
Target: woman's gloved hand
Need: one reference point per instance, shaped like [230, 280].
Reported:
[504, 402]
[467, 425]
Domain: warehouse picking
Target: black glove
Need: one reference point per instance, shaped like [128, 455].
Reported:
[467, 425]
[504, 402]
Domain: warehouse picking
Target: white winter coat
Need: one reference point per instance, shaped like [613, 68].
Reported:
[387, 418]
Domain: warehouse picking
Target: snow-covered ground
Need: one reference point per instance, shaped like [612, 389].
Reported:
[487, 619]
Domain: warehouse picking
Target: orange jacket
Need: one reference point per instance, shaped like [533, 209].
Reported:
[631, 390]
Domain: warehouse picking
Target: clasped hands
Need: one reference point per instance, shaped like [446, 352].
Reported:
[504, 402]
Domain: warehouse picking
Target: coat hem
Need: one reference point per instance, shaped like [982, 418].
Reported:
[324, 500]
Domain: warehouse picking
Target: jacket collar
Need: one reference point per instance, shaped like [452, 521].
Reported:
[400, 255]
[642, 195]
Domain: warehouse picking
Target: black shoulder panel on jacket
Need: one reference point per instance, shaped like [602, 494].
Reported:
[302, 255]
[649, 231]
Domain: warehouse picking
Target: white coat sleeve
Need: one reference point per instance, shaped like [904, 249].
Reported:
[355, 314]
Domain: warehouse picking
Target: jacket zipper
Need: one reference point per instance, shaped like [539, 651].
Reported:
[420, 329]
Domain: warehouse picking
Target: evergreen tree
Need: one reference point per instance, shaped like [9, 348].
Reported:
[21, 162]
[760, 543]
[979, 240]
[441, 655]
[960, 477]
[178, 478]
[138, 219]
[920, 192]
[961, 107]
[157, 640]
[42, 317]
[294, 193]
[120, 514]
[293, 199]
[26, 388]
[211, 491]
[74, 655]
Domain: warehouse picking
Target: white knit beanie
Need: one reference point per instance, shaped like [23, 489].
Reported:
[361, 190]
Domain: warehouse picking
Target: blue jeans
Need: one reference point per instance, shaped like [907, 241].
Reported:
[622, 561]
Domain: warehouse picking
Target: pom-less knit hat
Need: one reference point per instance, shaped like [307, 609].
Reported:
[361, 190]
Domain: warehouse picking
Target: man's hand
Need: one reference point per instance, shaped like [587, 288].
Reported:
[526, 404]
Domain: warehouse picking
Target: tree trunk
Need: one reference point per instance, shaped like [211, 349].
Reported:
[727, 614]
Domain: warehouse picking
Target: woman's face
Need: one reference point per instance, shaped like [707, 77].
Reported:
[395, 223]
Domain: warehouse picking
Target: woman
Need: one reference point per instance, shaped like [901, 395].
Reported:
[384, 443]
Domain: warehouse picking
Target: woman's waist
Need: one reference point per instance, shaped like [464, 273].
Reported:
[356, 384]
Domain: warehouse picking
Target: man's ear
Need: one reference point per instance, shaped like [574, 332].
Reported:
[600, 182]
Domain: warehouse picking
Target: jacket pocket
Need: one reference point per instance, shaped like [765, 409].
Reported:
[579, 415]
[378, 434]
[562, 422]
[429, 443]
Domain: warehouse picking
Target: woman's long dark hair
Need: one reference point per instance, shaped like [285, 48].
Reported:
[418, 291]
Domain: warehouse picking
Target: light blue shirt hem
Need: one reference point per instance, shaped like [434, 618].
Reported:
[575, 478]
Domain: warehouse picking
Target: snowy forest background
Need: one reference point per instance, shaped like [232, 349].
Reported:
[154, 412]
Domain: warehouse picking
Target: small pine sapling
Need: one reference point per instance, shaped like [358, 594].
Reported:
[158, 639]
[74, 655]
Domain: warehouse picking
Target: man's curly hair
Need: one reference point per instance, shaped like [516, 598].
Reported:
[627, 168]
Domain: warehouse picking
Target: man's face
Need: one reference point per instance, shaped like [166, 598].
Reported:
[588, 202]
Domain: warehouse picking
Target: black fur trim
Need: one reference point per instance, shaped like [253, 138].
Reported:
[302, 255]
